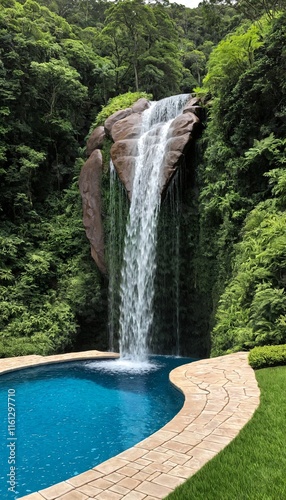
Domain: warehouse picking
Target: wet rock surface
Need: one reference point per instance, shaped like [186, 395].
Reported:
[95, 140]
[124, 128]
[90, 189]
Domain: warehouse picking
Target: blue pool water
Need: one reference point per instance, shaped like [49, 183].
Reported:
[72, 416]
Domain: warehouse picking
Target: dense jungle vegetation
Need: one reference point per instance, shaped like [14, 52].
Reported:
[61, 62]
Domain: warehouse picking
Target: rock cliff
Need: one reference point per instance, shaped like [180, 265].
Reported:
[123, 127]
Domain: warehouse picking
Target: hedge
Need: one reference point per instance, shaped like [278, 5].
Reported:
[270, 355]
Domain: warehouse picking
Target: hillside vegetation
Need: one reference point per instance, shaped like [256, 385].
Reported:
[242, 195]
[60, 64]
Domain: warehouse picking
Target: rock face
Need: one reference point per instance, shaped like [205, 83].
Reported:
[181, 133]
[90, 189]
[124, 132]
[140, 105]
[111, 120]
[95, 140]
[127, 128]
[124, 150]
[124, 128]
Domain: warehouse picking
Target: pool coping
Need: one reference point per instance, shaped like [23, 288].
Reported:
[221, 395]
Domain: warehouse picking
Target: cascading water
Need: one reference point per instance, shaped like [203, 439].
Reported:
[117, 210]
[168, 303]
[112, 245]
[139, 258]
[174, 201]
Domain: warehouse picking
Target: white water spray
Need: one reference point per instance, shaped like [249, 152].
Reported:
[139, 266]
[117, 210]
[112, 245]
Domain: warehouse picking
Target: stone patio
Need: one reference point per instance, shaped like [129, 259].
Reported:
[221, 395]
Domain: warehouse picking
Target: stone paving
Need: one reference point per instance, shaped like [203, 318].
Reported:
[221, 395]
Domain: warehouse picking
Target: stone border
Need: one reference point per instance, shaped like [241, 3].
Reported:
[19, 362]
[221, 395]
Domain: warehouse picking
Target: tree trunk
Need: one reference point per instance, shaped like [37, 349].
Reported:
[136, 77]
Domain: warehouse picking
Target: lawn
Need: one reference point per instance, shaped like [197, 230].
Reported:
[253, 465]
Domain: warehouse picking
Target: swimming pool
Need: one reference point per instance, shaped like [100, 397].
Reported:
[73, 416]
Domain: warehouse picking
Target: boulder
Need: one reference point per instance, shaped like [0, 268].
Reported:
[125, 168]
[140, 105]
[111, 120]
[177, 143]
[175, 148]
[124, 128]
[90, 189]
[124, 150]
[127, 128]
[127, 147]
[184, 123]
[193, 106]
[197, 110]
[182, 131]
[95, 140]
[194, 101]
[171, 162]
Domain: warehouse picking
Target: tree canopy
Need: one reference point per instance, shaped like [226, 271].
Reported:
[65, 65]
[242, 196]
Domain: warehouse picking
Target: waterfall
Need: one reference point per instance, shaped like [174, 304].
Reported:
[139, 257]
[116, 232]
[174, 194]
[166, 329]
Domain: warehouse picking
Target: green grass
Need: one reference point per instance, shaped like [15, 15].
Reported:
[253, 466]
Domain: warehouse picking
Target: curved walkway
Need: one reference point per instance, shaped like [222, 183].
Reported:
[221, 395]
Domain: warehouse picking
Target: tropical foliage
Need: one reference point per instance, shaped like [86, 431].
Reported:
[47, 83]
[242, 195]
[67, 65]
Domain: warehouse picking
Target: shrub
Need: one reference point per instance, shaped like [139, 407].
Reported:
[25, 347]
[269, 355]
[116, 104]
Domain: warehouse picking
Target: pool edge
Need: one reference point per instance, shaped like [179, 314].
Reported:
[221, 395]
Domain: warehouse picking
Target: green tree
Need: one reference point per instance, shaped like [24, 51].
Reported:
[132, 21]
[244, 148]
[252, 307]
[142, 42]
[252, 9]
[47, 278]
[195, 60]
[232, 57]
